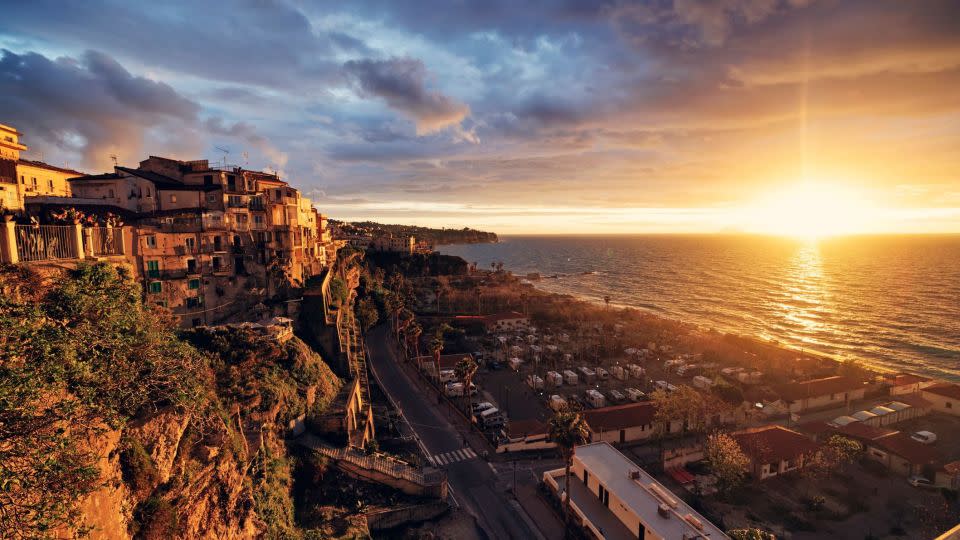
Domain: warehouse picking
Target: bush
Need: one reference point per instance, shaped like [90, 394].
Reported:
[158, 519]
[138, 469]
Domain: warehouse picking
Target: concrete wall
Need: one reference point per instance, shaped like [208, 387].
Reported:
[942, 403]
[407, 515]
[829, 400]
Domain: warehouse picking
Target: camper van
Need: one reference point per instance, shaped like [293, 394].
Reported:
[602, 374]
[554, 379]
[619, 373]
[455, 389]
[478, 408]
[447, 375]
[702, 382]
[557, 402]
[617, 396]
[491, 418]
[589, 375]
[569, 377]
[635, 395]
[515, 364]
[535, 382]
[595, 398]
[635, 371]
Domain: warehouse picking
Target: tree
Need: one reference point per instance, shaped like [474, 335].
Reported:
[727, 462]
[436, 347]
[367, 314]
[413, 335]
[568, 430]
[465, 369]
[750, 534]
[685, 405]
[79, 355]
[606, 300]
[338, 291]
[839, 451]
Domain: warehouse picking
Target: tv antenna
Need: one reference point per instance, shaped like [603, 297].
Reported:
[113, 157]
[246, 157]
[226, 152]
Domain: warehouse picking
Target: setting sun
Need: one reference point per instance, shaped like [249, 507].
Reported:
[811, 210]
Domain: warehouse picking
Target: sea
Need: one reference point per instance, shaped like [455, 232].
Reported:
[892, 302]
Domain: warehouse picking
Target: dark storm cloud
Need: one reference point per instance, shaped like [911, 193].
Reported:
[92, 105]
[401, 82]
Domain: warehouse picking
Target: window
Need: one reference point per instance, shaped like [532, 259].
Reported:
[194, 283]
[173, 198]
[110, 194]
[156, 287]
[23, 179]
[208, 179]
[194, 302]
[146, 193]
[586, 476]
[50, 185]
[949, 405]
[34, 180]
[150, 241]
[258, 219]
[191, 244]
[196, 322]
[211, 198]
[153, 269]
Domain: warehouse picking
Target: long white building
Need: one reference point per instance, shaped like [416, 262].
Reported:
[613, 498]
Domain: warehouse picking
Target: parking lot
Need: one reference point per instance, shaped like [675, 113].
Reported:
[946, 427]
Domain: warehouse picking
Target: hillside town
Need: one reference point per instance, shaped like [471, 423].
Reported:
[468, 394]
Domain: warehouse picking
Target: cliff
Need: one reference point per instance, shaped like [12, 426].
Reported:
[117, 426]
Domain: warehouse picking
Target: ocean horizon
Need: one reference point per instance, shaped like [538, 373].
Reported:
[891, 301]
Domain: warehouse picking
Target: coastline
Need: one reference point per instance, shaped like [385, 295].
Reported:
[866, 339]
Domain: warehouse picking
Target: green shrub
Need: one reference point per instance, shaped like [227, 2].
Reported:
[157, 518]
[138, 469]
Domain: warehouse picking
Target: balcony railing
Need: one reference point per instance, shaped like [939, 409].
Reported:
[106, 241]
[46, 242]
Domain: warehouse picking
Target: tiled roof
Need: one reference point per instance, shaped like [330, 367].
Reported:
[902, 445]
[913, 400]
[525, 428]
[95, 177]
[43, 165]
[904, 379]
[620, 416]
[773, 443]
[166, 183]
[817, 387]
[945, 390]
[864, 432]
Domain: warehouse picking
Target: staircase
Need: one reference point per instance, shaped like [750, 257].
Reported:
[351, 345]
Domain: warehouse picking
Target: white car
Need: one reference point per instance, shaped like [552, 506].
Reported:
[920, 482]
[925, 437]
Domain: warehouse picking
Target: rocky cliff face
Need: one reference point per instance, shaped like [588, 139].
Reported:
[176, 473]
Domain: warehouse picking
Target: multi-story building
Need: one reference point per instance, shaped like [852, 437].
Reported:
[21, 178]
[212, 240]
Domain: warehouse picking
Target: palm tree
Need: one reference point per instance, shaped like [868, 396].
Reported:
[413, 334]
[568, 430]
[479, 292]
[436, 347]
[437, 292]
[465, 369]
[606, 300]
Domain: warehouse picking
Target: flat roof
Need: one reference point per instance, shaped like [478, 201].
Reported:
[613, 469]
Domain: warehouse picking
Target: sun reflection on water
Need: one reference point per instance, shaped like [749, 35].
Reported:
[803, 297]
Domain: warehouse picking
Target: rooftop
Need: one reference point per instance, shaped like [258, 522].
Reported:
[525, 428]
[902, 445]
[447, 361]
[773, 443]
[620, 416]
[817, 387]
[945, 389]
[904, 379]
[42, 165]
[613, 470]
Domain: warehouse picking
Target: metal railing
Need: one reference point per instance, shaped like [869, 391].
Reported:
[106, 241]
[46, 242]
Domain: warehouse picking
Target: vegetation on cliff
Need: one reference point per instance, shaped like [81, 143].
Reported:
[437, 237]
[111, 419]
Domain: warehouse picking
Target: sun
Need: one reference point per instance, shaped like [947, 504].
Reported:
[811, 210]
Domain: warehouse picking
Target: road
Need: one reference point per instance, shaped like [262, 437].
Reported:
[474, 483]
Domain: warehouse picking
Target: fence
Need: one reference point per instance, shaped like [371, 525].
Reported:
[46, 242]
[106, 241]
[384, 465]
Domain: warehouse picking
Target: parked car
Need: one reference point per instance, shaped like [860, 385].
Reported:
[920, 482]
[480, 407]
[925, 437]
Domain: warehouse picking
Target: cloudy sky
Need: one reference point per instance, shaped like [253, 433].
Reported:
[536, 116]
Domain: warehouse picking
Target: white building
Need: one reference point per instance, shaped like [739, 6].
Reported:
[614, 498]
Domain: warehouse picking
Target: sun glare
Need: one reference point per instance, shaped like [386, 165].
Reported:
[811, 210]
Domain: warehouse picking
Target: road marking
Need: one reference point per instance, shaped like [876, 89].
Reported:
[452, 456]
